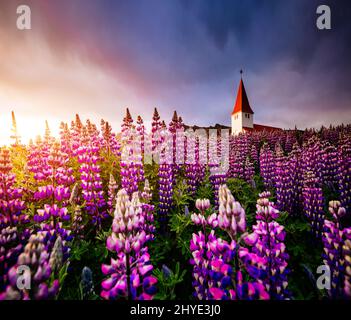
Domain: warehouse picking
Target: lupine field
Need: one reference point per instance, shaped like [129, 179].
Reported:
[90, 219]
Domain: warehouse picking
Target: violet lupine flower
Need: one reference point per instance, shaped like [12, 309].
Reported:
[313, 203]
[146, 194]
[112, 192]
[217, 179]
[217, 174]
[11, 204]
[52, 233]
[147, 213]
[11, 245]
[57, 192]
[236, 168]
[156, 127]
[213, 257]
[37, 160]
[166, 182]
[191, 165]
[344, 175]
[55, 196]
[65, 138]
[131, 157]
[176, 135]
[346, 251]
[139, 153]
[140, 128]
[249, 171]
[199, 249]
[129, 275]
[111, 143]
[165, 174]
[254, 154]
[36, 257]
[92, 192]
[336, 256]
[213, 156]
[267, 166]
[76, 129]
[267, 241]
[77, 225]
[312, 159]
[283, 182]
[212, 271]
[173, 127]
[296, 176]
[290, 141]
[330, 165]
[231, 216]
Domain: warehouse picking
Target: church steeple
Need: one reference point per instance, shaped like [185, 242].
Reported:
[242, 102]
[242, 114]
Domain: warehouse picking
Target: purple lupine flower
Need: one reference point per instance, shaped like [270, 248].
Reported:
[11, 245]
[110, 142]
[313, 203]
[336, 251]
[214, 274]
[267, 241]
[236, 162]
[217, 178]
[283, 182]
[91, 183]
[344, 173]
[166, 182]
[11, 204]
[254, 154]
[37, 160]
[330, 165]
[249, 171]
[191, 163]
[146, 194]
[55, 194]
[112, 192]
[156, 127]
[36, 257]
[139, 154]
[131, 157]
[346, 251]
[147, 213]
[129, 275]
[231, 216]
[267, 166]
[296, 177]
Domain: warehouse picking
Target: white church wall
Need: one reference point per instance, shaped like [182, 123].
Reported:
[247, 120]
[240, 120]
[237, 124]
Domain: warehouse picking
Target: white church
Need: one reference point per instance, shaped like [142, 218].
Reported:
[243, 116]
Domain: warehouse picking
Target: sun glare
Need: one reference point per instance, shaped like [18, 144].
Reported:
[28, 128]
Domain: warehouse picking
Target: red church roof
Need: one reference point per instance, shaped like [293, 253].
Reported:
[242, 102]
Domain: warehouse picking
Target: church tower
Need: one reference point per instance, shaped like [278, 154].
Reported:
[242, 115]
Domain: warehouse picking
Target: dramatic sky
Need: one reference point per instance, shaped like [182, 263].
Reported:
[97, 57]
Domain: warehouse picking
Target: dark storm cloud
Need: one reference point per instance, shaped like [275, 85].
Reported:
[186, 55]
